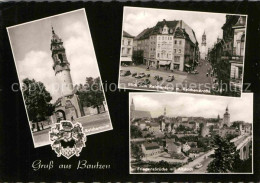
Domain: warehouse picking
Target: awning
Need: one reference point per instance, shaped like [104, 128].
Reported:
[187, 65]
[163, 62]
[126, 59]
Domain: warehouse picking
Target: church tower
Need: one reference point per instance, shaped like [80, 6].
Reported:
[204, 50]
[164, 112]
[61, 66]
[132, 109]
[226, 118]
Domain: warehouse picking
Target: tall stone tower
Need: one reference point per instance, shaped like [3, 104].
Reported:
[164, 112]
[67, 106]
[61, 66]
[204, 49]
[226, 118]
[132, 109]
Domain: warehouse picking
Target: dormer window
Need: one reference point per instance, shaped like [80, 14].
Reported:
[165, 30]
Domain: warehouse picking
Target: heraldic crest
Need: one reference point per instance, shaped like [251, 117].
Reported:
[67, 139]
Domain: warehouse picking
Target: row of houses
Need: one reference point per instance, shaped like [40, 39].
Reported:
[172, 147]
[171, 44]
[230, 49]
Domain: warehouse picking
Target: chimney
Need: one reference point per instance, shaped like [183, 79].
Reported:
[180, 23]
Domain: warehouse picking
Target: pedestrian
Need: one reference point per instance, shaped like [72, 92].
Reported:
[207, 74]
[72, 119]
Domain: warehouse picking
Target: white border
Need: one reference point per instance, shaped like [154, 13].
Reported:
[166, 91]
[89, 34]
[188, 173]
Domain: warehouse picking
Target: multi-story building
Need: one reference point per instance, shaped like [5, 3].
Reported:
[150, 149]
[169, 44]
[126, 48]
[231, 48]
[236, 70]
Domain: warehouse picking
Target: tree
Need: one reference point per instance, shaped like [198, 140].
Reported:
[92, 95]
[135, 132]
[37, 101]
[138, 56]
[225, 156]
[136, 151]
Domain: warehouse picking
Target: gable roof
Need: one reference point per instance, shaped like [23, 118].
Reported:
[126, 34]
[151, 146]
[170, 24]
[141, 114]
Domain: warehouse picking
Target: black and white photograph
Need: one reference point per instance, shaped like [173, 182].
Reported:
[182, 51]
[179, 133]
[58, 74]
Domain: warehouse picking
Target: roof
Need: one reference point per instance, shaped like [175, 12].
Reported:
[150, 146]
[241, 21]
[154, 124]
[126, 34]
[145, 34]
[184, 119]
[230, 20]
[195, 149]
[195, 143]
[177, 143]
[176, 27]
[170, 24]
[141, 114]
[172, 140]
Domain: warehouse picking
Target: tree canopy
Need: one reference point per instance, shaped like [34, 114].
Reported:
[37, 100]
[225, 156]
[91, 94]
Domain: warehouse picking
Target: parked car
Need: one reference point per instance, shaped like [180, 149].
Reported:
[125, 73]
[143, 82]
[158, 78]
[194, 72]
[170, 78]
[124, 65]
[198, 166]
[148, 75]
[140, 75]
[134, 74]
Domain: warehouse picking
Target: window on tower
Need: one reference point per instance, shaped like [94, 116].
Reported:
[60, 57]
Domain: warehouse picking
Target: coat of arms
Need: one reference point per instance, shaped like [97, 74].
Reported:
[67, 138]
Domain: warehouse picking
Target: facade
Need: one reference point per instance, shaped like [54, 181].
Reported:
[204, 49]
[230, 49]
[169, 44]
[68, 105]
[236, 70]
[154, 127]
[150, 149]
[185, 147]
[172, 146]
[127, 48]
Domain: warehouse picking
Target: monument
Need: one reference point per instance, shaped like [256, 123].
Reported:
[67, 106]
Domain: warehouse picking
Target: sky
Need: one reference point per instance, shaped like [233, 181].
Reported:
[137, 19]
[194, 105]
[31, 48]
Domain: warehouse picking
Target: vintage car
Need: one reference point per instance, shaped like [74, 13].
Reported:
[140, 75]
[198, 166]
[170, 78]
[158, 78]
[125, 73]
[194, 72]
[143, 82]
